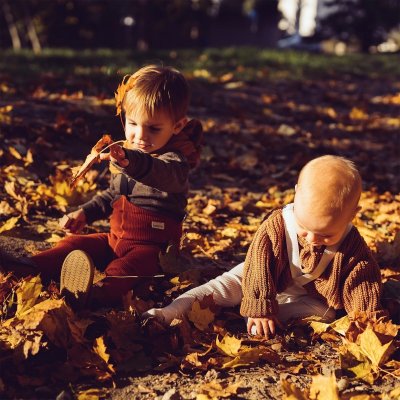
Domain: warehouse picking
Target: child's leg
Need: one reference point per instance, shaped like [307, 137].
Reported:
[49, 262]
[141, 260]
[226, 290]
[304, 306]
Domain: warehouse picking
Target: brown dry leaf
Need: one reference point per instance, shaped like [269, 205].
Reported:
[292, 392]
[170, 261]
[133, 303]
[216, 390]
[324, 388]
[201, 317]
[88, 362]
[93, 157]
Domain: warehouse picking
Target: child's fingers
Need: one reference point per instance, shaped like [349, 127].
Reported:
[117, 152]
[271, 326]
[104, 156]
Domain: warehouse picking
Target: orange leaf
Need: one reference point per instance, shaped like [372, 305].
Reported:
[93, 157]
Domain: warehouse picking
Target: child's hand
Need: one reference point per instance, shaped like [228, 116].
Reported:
[116, 155]
[73, 222]
[263, 326]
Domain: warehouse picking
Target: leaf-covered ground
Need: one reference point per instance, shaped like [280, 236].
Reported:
[265, 115]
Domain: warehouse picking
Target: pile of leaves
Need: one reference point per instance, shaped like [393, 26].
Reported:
[44, 343]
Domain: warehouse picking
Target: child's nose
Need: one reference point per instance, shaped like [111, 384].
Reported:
[311, 237]
[140, 133]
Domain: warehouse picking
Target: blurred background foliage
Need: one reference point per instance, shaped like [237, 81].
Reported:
[164, 24]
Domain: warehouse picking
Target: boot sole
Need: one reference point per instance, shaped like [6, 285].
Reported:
[76, 279]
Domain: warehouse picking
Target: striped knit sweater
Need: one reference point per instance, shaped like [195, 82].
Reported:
[352, 280]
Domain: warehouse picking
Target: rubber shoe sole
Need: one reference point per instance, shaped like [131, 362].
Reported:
[76, 279]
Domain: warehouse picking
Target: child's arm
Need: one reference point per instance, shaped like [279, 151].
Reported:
[168, 172]
[361, 283]
[226, 290]
[73, 222]
[99, 206]
[262, 269]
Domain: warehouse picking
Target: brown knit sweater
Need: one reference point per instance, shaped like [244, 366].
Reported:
[352, 280]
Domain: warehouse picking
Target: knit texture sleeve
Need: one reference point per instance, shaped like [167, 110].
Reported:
[362, 286]
[260, 270]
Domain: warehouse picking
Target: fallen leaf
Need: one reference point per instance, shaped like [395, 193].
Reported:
[324, 388]
[201, 317]
[92, 158]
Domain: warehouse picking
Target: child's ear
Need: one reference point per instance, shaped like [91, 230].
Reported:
[180, 125]
[357, 209]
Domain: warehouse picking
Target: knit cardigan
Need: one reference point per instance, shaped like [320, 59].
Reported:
[351, 281]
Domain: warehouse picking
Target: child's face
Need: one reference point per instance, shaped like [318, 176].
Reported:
[317, 226]
[150, 133]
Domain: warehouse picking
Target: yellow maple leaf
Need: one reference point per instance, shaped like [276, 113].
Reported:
[101, 349]
[319, 327]
[27, 294]
[341, 325]
[251, 356]
[324, 388]
[372, 347]
[229, 345]
[201, 317]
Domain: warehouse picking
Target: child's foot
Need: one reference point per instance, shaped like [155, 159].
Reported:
[76, 279]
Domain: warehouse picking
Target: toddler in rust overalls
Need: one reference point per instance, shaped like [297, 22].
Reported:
[147, 196]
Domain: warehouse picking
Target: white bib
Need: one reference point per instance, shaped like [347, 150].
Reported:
[292, 244]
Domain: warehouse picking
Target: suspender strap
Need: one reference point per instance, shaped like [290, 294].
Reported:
[294, 254]
[291, 240]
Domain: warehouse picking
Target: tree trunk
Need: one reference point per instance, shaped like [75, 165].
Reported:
[32, 34]
[12, 27]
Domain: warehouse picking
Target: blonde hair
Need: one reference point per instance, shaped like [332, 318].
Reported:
[154, 88]
[334, 178]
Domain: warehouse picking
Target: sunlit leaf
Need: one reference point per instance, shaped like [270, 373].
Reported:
[201, 317]
[27, 294]
[9, 224]
[324, 388]
[229, 345]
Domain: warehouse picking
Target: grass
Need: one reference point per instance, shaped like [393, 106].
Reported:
[249, 63]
